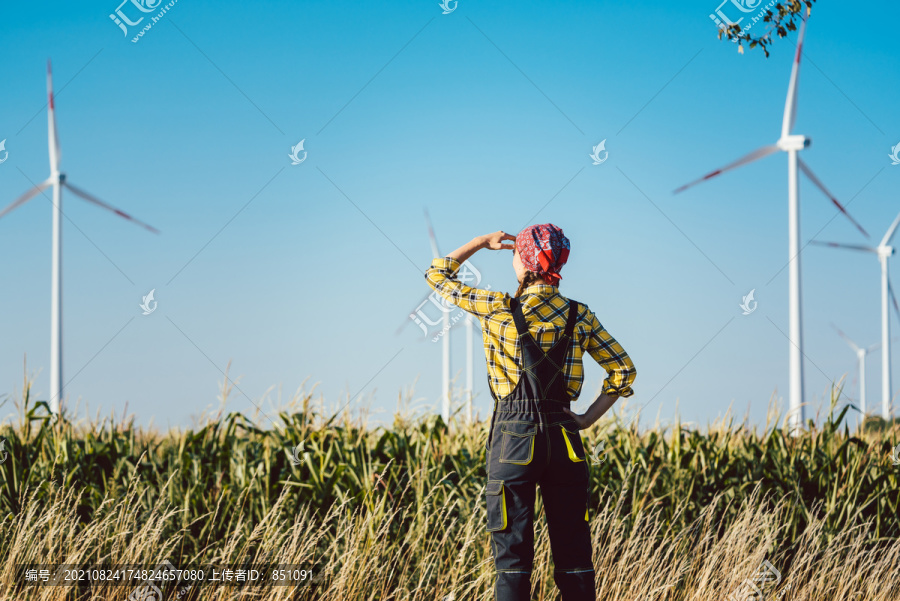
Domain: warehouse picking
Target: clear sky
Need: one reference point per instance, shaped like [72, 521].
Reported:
[485, 117]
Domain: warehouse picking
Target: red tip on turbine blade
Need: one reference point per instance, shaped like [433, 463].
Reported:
[92, 199]
[744, 160]
[49, 86]
[800, 36]
[815, 180]
[130, 218]
[847, 215]
[702, 179]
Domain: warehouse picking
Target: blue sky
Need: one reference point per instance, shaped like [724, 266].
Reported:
[486, 117]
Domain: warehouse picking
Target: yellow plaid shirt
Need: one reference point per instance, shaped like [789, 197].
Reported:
[545, 310]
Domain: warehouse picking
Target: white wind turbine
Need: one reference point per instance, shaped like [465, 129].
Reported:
[58, 181]
[445, 359]
[424, 322]
[790, 144]
[861, 353]
[470, 364]
[884, 251]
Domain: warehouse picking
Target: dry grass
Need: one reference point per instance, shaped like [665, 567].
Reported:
[397, 513]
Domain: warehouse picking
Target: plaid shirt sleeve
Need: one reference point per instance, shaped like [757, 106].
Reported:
[441, 276]
[611, 357]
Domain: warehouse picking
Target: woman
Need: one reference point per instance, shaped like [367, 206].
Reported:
[534, 344]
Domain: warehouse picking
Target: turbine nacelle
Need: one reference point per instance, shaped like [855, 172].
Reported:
[793, 142]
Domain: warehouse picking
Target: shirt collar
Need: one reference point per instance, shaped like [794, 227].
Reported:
[541, 290]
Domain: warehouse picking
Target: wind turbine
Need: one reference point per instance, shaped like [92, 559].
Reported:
[790, 144]
[58, 181]
[445, 360]
[861, 353]
[445, 322]
[470, 365]
[884, 251]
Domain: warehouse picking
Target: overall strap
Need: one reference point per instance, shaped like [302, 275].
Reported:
[543, 373]
[573, 317]
[518, 316]
[522, 326]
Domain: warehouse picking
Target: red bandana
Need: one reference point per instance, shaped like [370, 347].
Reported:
[543, 249]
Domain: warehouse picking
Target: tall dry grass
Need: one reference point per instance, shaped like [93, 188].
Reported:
[397, 513]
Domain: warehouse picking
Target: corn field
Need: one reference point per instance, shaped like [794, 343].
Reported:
[397, 513]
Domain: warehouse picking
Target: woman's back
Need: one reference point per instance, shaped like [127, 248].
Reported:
[545, 311]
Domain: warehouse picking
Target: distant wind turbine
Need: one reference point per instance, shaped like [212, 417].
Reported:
[58, 181]
[884, 252]
[470, 364]
[861, 353]
[445, 359]
[790, 144]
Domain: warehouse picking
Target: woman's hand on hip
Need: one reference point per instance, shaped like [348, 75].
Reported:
[582, 421]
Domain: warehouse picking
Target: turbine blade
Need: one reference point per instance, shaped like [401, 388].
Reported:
[749, 158]
[27, 196]
[846, 338]
[870, 249]
[100, 203]
[818, 183]
[52, 136]
[790, 104]
[891, 231]
[894, 298]
[431, 237]
[878, 344]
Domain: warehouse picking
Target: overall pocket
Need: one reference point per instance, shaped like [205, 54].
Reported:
[495, 494]
[573, 444]
[517, 446]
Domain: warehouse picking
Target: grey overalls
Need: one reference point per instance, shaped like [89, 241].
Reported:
[532, 441]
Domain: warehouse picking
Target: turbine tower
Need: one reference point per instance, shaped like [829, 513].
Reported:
[883, 251]
[58, 181]
[470, 365]
[790, 144]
